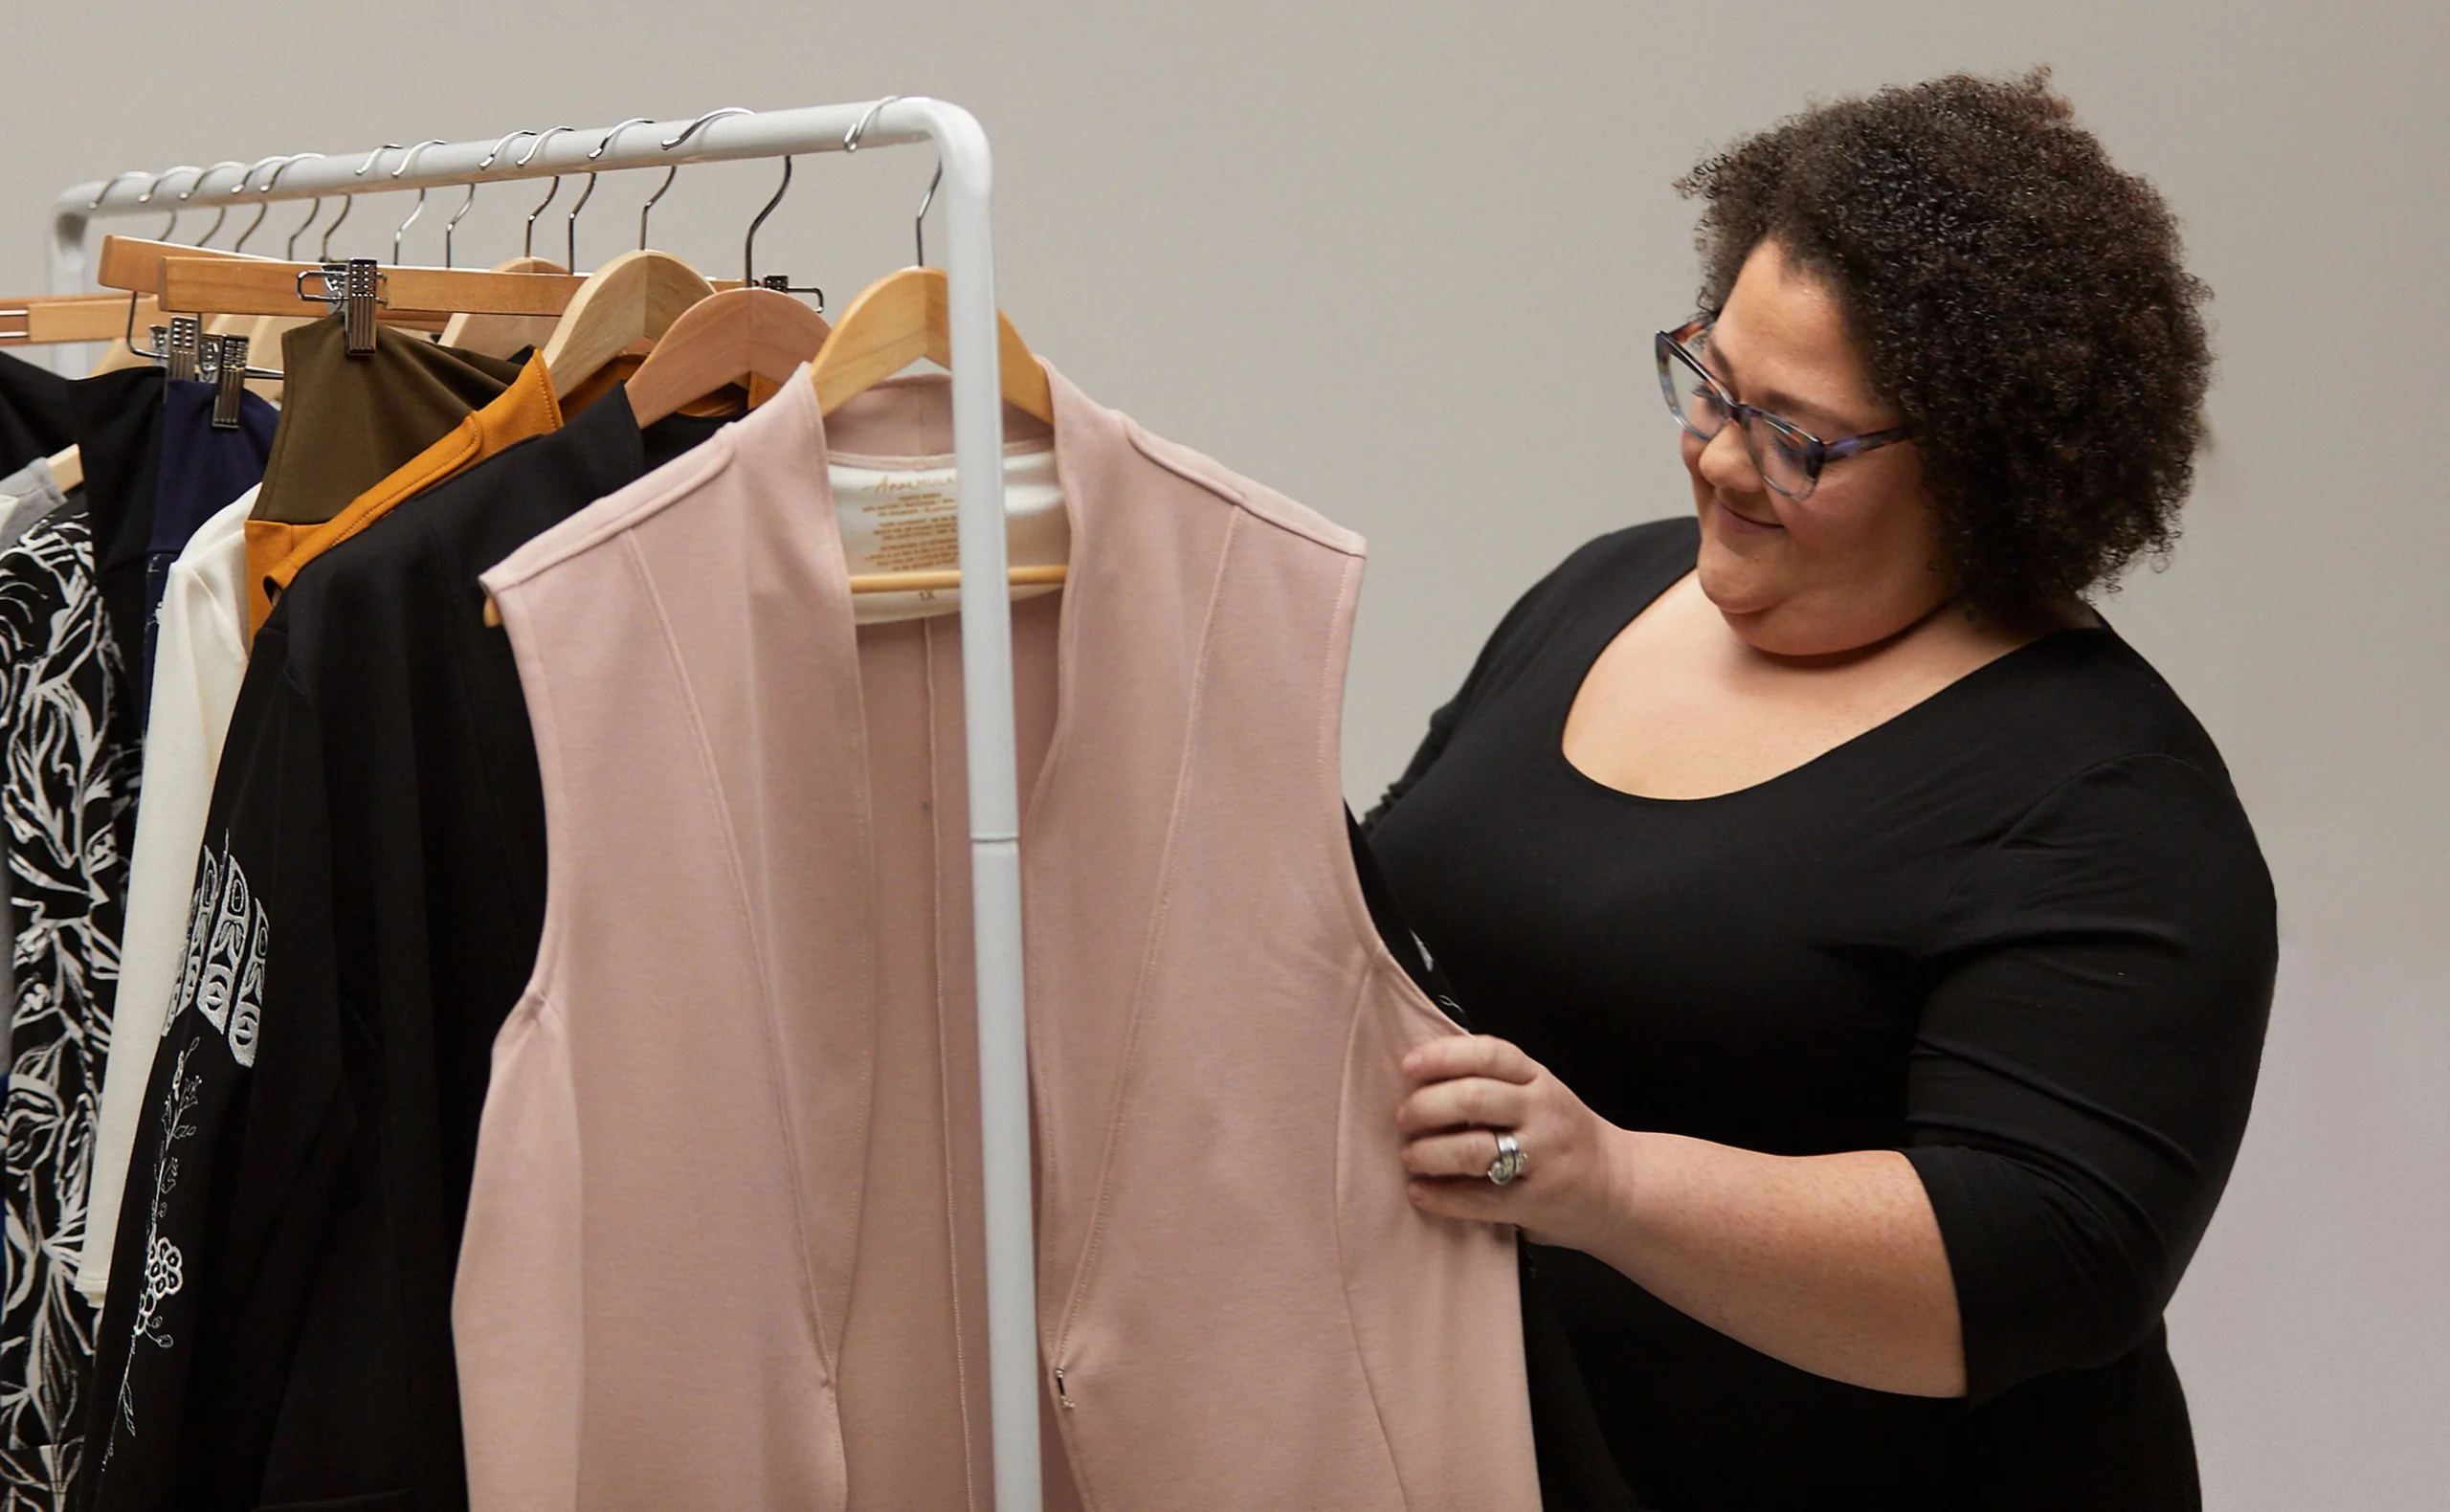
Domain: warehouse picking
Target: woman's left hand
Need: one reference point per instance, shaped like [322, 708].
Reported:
[1466, 1090]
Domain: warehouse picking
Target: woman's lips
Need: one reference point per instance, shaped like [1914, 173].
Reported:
[1744, 525]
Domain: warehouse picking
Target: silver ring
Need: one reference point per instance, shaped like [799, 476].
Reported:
[1511, 1163]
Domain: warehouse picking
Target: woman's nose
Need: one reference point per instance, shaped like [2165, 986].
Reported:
[1725, 464]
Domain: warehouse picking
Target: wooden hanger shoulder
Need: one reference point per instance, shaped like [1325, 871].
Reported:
[637, 295]
[902, 318]
[731, 338]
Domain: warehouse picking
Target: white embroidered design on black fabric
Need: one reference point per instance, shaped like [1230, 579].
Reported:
[227, 941]
[68, 795]
[164, 1267]
[222, 980]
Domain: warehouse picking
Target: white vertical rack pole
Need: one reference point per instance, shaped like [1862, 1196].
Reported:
[986, 629]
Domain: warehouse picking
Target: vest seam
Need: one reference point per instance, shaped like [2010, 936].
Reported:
[537, 689]
[1091, 1249]
[1325, 766]
[703, 747]
[1229, 493]
[681, 477]
[1342, 880]
[1344, 1268]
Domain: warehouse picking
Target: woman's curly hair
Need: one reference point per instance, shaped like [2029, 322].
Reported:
[2020, 299]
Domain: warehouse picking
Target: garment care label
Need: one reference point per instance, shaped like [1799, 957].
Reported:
[908, 520]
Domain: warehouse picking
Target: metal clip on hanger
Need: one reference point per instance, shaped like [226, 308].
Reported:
[229, 384]
[355, 289]
[180, 352]
[353, 286]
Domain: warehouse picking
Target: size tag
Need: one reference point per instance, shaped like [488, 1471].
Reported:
[908, 520]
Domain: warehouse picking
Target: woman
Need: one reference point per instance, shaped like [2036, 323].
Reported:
[1872, 953]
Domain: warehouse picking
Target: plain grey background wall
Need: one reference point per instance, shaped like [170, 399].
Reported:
[1401, 258]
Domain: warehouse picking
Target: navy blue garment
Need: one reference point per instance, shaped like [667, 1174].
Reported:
[202, 470]
[118, 421]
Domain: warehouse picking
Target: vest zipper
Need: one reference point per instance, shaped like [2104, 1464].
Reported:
[1061, 1396]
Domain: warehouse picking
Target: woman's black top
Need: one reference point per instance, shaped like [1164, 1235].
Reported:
[2020, 932]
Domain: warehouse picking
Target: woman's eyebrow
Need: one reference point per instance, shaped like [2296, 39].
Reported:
[1777, 401]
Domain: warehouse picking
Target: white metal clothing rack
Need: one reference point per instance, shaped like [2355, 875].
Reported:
[985, 621]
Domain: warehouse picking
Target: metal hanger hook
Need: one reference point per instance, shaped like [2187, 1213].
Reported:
[289, 251]
[147, 198]
[859, 127]
[698, 124]
[221, 212]
[263, 208]
[116, 179]
[671, 144]
[851, 140]
[569, 224]
[527, 245]
[748, 243]
[348, 201]
[919, 222]
[451, 227]
[408, 161]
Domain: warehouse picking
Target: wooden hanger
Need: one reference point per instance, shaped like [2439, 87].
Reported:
[136, 265]
[902, 318]
[203, 281]
[49, 320]
[501, 335]
[67, 467]
[729, 337]
[635, 296]
[252, 286]
[894, 323]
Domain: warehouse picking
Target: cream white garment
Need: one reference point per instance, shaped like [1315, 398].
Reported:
[899, 515]
[198, 662]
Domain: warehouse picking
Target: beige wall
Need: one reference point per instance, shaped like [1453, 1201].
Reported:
[1401, 257]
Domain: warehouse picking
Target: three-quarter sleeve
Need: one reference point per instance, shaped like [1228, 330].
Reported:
[2085, 1058]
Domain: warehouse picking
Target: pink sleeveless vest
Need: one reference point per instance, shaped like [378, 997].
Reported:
[723, 1249]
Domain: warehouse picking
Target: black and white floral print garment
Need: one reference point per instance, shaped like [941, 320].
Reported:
[68, 798]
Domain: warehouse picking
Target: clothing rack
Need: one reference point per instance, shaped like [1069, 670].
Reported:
[986, 622]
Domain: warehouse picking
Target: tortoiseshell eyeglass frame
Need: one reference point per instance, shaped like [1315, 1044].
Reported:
[1812, 452]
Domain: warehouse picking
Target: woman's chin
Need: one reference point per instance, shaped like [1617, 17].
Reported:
[1734, 586]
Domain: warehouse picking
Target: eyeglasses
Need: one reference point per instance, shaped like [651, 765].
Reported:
[1788, 456]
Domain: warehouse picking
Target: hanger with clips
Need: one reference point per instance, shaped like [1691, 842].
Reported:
[188, 280]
